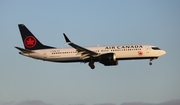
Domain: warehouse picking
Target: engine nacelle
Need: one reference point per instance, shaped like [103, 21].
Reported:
[108, 59]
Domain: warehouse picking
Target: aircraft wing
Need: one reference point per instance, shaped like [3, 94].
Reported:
[85, 53]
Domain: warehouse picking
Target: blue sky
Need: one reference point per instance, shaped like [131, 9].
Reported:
[90, 23]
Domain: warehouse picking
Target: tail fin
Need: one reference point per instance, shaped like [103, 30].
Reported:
[29, 40]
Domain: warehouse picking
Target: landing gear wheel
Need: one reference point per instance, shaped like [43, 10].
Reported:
[150, 63]
[91, 64]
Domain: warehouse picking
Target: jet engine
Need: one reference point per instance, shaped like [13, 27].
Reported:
[108, 59]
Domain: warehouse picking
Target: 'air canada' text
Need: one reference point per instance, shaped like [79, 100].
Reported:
[123, 47]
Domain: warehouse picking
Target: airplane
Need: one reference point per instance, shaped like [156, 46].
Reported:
[106, 55]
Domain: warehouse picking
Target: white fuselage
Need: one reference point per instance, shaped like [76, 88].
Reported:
[106, 55]
[121, 52]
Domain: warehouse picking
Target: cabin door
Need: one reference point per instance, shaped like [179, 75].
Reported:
[147, 50]
[45, 55]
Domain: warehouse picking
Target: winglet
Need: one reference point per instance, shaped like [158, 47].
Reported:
[66, 38]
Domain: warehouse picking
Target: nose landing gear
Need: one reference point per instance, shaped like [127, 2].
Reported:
[150, 63]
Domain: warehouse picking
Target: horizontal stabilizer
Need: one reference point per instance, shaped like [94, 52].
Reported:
[24, 50]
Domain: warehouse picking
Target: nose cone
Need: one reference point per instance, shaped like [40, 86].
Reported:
[163, 52]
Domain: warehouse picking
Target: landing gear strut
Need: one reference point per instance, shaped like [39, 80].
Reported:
[91, 64]
[150, 63]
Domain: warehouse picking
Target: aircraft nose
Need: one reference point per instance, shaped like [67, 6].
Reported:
[163, 52]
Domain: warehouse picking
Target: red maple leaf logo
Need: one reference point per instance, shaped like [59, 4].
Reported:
[140, 52]
[30, 41]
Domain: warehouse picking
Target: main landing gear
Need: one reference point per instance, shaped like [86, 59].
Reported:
[91, 64]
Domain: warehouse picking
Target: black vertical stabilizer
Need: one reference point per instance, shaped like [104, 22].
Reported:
[29, 40]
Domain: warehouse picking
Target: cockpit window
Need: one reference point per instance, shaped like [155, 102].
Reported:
[156, 48]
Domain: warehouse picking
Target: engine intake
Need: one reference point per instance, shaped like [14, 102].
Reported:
[108, 59]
